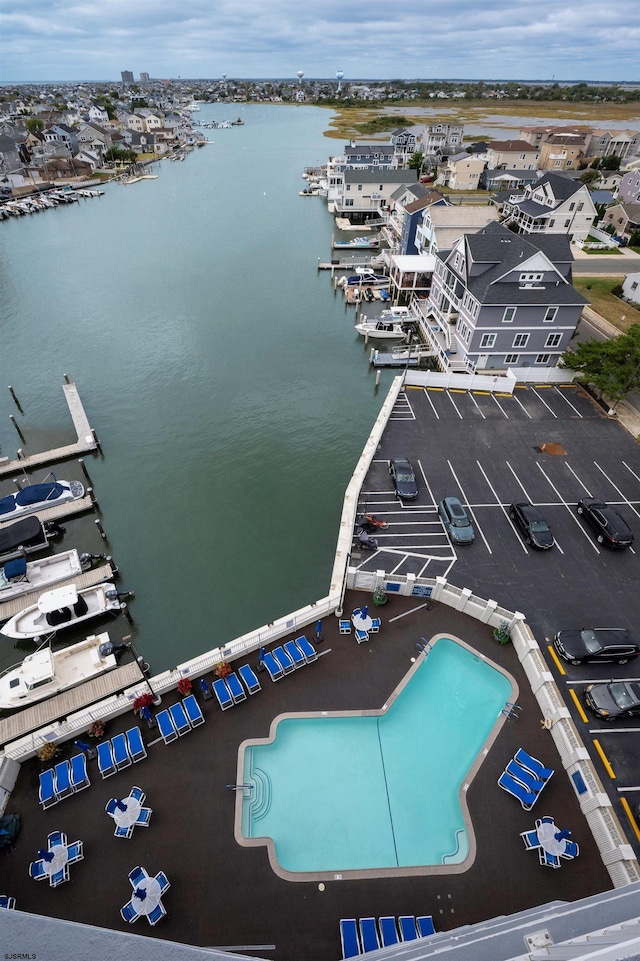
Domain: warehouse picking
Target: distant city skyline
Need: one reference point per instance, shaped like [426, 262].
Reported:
[57, 40]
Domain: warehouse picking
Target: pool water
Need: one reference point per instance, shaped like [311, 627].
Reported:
[353, 792]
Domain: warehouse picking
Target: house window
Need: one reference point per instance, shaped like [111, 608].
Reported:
[508, 315]
[571, 206]
[521, 340]
[567, 222]
[511, 359]
[553, 340]
[348, 186]
[550, 315]
[543, 359]
[487, 341]
[359, 186]
[580, 206]
[349, 203]
[634, 285]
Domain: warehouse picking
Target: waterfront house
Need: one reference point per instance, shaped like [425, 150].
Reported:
[405, 213]
[511, 155]
[562, 151]
[537, 135]
[461, 171]
[405, 143]
[441, 138]
[370, 191]
[93, 137]
[625, 219]
[510, 297]
[606, 143]
[442, 225]
[368, 156]
[552, 205]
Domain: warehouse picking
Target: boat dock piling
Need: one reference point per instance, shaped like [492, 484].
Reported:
[16, 401]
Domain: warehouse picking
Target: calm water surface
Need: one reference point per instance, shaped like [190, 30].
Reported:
[220, 372]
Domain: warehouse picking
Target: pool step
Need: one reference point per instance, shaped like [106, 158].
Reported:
[260, 803]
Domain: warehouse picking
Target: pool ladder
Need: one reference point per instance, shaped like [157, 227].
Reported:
[424, 646]
[511, 710]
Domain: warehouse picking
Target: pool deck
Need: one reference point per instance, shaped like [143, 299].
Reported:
[224, 895]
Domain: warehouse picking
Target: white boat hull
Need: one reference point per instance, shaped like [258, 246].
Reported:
[373, 333]
[15, 506]
[33, 621]
[41, 574]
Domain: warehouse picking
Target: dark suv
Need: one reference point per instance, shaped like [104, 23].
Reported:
[611, 529]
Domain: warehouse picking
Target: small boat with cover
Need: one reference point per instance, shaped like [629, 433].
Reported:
[63, 607]
[37, 497]
[21, 577]
[395, 323]
[24, 537]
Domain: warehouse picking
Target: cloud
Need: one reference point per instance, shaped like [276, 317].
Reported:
[61, 39]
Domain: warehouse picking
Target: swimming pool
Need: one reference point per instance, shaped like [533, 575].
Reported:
[381, 791]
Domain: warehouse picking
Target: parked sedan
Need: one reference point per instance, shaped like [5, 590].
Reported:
[617, 699]
[404, 479]
[456, 521]
[611, 529]
[597, 644]
[532, 525]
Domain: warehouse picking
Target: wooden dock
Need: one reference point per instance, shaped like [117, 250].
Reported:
[59, 707]
[61, 511]
[97, 575]
[86, 440]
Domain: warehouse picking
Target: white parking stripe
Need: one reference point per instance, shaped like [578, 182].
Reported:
[564, 504]
[500, 406]
[426, 394]
[584, 488]
[455, 407]
[426, 482]
[616, 488]
[502, 507]
[515, 397]
[630, 470]
[466, 500]
[477, 406]
[518, 481]
[534, 391]
[567, 401]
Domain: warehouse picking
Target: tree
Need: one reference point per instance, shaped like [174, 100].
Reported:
[416, 160]
[611, 366]
[589, 176]
[34, 123]
[612, 162]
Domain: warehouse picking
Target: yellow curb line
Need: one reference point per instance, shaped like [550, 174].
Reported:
[578, 705]
[457, 390]
[482, 393]
[413, 387]
[441, 389]
[632, 820]
[548, 386]
[502, 395]
[603, 758]
[556, 660]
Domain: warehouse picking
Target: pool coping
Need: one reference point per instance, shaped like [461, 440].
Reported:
[388, 872]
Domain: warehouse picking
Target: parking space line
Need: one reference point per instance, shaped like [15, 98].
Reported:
[632, 820]
[500, 407]
[614, 730]
[522, 405]
[624, 464]
[426, 482]
[579, 708]
[533, 390]
[604, 759]
[466, 499]
[408, 402]
[584, 488]
[426, 394]
[476, 403]
[455, 407]
[564, 504]
[518, 481]
[615, 487]
[556, 660]
[502, 507]
[560, 394]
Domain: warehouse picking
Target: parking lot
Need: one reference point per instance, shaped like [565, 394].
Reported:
[551, 446]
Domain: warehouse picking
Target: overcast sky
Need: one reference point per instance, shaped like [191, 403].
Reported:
[405, 39]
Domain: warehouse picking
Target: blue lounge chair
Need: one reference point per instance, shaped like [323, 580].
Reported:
[345, 628]
[137, 793]
[168, 732]
[7, 902]
[295, 654]
[532, 783]
[76, 852]
[389, 931]
[307, 648]
[549, 860]
[157, 913]
[547, 819]
[56, 837]
[163, 881]
[129, 913]
[135, 744]
[193, 711]
[223, 693]
[356, 612]
[375, 625]
[48, 795]
[408, 928]
[571, 850]
[532, 764]
[106, 764]
[369, 934]
[79, 776]
[144, 817]
[111, 806]
[238, 693]
[249, 678]
[425, 926]
[137, 876]
[37, 871]
[284, 660]
[511, 786]
[59, 877]
[349, 938]
[120, 750]
[530, 839]
[361, 636]
[179, 718]
[123, 832]
[272, 666]
[62, 774]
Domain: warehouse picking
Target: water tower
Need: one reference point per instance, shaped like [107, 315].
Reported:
[340, 78]
[300, 76]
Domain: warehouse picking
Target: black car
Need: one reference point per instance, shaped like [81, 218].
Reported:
[617, 699]
[611, 529]
[404, 479]
[532, 524]
[597, 644]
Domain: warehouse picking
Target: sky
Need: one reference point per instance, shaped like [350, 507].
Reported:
[48, 40]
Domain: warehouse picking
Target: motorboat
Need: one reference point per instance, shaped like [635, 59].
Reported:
[366, 278]
[37, 497]
[62, 607]
[23, 537]
[47, 672]
[21, 577]
[361, 243]
[382, 330]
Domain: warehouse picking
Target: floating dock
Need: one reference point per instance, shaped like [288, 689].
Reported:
[97, 575]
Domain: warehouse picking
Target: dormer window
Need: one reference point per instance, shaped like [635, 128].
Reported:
[531, 278]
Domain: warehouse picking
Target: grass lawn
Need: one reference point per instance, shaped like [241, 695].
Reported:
[598, 291]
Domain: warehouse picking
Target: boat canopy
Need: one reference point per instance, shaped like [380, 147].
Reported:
[38, 668]
[7, 504]
[55, 600]
[39, 492]
[16, 568]
[24, 533]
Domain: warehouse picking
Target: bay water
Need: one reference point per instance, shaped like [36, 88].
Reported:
[218, 368]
